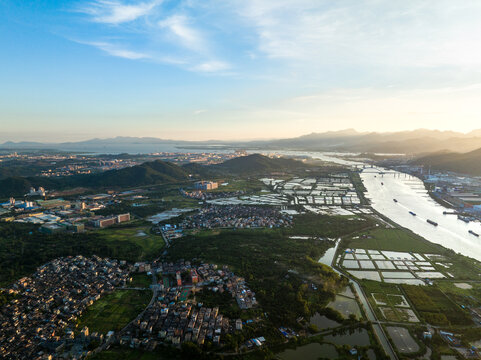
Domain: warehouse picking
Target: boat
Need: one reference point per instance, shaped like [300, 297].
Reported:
[394, 200]
[473, 233]
[412, 213]
[432, 222]
[462, 218]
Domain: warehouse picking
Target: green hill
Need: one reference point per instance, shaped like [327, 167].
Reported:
[149, 173]
[466, 163]
[257, 164]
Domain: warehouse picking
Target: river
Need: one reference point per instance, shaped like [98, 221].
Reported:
[412, 195]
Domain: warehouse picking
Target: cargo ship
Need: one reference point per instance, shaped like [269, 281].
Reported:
[412, 213]
[432, 222]
[473, 233]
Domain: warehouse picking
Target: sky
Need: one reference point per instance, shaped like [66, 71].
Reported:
[236, 69]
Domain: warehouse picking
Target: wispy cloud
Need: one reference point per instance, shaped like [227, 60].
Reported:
[116, 50]
[211, 66]
[115, 12]
[423, 34]
[151, 31]
[179, 26]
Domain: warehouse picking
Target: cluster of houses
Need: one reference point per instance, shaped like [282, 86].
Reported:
[176, 316]
[203, 195]
[37, 321]
[236, 216]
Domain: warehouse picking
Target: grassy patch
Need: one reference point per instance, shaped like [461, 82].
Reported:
[392, 240]
[140, 280]
[246, 185]
[115, 310]
[137, 233]
[466, 297]
[327, 226]
[378, 287]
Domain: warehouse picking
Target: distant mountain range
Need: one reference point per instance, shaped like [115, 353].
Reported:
[419, 141]
[405, 142]
[150, 173]
[465, 163]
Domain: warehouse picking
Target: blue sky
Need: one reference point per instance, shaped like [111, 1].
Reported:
[238, 69]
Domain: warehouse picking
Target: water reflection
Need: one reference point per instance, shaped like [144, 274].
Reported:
[322, 322]
[311, 351]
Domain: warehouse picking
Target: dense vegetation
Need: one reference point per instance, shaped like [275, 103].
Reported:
[277, 268]
[256, 163]
[434, 307]
[23, 248]
[148, 173]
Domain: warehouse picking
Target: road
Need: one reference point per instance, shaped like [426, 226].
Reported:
[371, 316]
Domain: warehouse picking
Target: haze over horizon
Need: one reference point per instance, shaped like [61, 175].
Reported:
[236, 70]
[342, 132]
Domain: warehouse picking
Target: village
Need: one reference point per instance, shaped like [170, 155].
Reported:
[39, 319]
[176, 317]
[236, 216]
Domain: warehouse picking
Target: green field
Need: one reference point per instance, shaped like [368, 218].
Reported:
[137, 232]
[328, 226]
[371, 286]
[178, 201]
[466, 297]
[392, 240]
[115, 310]
[246, 185]
[140, 280]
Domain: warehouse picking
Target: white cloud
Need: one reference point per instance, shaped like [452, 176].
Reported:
[428, 33]
[211, 66]
[179, 26]
[117, 51]
[169, 34]
[116, 12]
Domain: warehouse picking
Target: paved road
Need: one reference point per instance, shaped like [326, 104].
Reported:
[371, 316]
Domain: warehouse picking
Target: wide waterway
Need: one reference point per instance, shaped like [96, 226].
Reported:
[412, 195]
